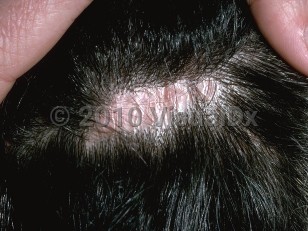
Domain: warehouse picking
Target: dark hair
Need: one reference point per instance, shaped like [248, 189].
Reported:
[234, 159]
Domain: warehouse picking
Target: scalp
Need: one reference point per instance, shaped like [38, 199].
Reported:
[234, 155]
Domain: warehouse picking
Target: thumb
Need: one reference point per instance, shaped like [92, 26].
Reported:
[284, 23]
[28, 30]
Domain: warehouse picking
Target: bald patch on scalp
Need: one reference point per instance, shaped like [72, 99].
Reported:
[150, 108]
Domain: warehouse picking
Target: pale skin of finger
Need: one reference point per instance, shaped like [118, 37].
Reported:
[283, 23]
[28, 30]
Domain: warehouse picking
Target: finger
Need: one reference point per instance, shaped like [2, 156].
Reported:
[283, 23]
[5, 87]
[28, 30]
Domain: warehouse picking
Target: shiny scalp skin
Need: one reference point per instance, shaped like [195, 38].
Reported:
[196, 174]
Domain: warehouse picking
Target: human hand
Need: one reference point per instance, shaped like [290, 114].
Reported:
[28, 30]
[26, 23]
[284, 23]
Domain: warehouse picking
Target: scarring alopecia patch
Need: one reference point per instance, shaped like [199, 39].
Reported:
[150, 108]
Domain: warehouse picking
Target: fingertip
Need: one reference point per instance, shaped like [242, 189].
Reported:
[282, 24]
[26, 41]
